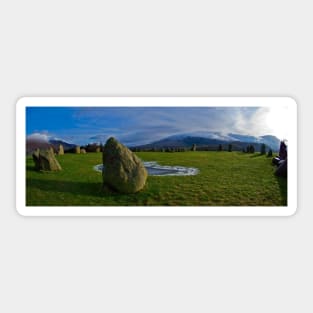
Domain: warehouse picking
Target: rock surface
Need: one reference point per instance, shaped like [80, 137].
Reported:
[82, 151]
[36, 159]
[77, 149]
[61, 150]
[46, 161]
[282, 169]
[122, 169]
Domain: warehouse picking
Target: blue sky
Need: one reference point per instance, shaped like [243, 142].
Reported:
[140, 125]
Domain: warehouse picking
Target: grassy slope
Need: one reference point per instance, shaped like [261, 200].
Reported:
[225, 179]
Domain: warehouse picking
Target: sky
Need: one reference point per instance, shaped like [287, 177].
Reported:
[141, 125]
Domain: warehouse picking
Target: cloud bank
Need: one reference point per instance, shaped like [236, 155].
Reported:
[141, 125]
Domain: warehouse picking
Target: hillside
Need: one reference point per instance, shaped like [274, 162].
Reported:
[239, 142]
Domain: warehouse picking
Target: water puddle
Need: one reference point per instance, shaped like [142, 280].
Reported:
[154, 169]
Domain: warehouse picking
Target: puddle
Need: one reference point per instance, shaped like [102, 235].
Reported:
[154, 169]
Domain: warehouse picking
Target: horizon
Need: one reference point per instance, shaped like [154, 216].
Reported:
[142, 125]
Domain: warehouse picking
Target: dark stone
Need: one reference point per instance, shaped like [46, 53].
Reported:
[282, 151]
[282, 169]
[275, 161]
[36, 159]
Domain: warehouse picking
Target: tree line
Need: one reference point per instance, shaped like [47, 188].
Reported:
[248, 149]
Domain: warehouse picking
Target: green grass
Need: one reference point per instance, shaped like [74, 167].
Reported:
[225, 179]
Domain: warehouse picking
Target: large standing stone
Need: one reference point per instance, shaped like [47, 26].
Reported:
[83, 151]
[122, 169]
[46, 161]
[282, 151]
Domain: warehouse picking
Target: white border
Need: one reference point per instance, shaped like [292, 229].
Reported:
[24, 210]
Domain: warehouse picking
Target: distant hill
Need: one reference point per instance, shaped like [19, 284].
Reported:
[34, 143]
[203, 141]
[212, 141]
[56, 143]
[271, 141]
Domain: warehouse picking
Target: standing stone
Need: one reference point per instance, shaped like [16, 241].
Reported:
[122, 169]
[61, 150]
[36, 159]
[194, 147]
[82, 151]
[46, 161]
[282, 169]
[98, 149]
[282, 151]
[77, 149]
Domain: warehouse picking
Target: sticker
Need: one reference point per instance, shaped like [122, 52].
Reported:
[156, 156]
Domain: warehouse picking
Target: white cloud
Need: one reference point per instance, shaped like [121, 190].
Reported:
[39, 137]
[144, 125]
[264, 121]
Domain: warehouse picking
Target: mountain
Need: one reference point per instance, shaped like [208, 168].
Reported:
[34, 143]
[203, 141]
[271, 141]
[56, 143]
[211, 140]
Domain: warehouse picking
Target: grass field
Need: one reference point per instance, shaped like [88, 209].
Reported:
[225, 179]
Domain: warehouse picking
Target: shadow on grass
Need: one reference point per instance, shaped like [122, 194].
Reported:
[257, 155]
[93, 189]
[31, 168]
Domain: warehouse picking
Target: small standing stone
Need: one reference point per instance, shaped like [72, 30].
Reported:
[77, 149]
[61, 150]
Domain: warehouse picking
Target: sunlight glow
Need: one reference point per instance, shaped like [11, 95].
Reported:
[277, 121]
